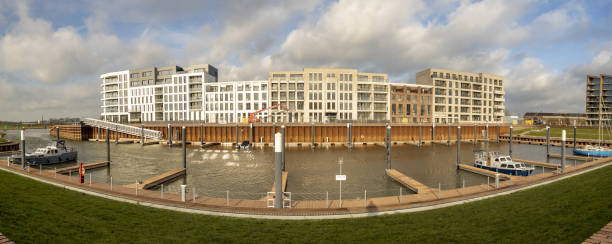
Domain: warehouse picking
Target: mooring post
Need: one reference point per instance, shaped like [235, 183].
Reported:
[388, 146]
[116, 134]
[496, 180]
[237, 142]
[458, 145]
[449, 135]
[574, 134]
[183, 192]
[510, 146]
[547, 141]
[278, 167]
[498, 129]
[169, 135]
[111, 183]
[475, 136]
[57, 132]
[108, 145]
[349, 137]
[312, 136]
[251, 134]
[161, 192]
[283, 147]
[400, 196]
[184, 148]
[98, 133]
[136, 188]
[420, 134]
[23, 150]
[433, 132]
[201, 134]
[487, 130]
[142, 139]
[563, 151]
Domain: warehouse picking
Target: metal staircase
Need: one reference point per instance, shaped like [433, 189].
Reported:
[127, 129]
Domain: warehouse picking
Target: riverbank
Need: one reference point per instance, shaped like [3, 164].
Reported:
[556, 212]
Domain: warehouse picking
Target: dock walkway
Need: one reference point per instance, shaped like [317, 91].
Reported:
[410, 183]
[604, 235]
[484, 172]
[573, 157]
[536, 163]
[159, 179]
[86, 166]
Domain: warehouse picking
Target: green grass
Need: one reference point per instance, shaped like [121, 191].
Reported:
[580, 133]
[567, 211]
[3, 140]
[524, 130]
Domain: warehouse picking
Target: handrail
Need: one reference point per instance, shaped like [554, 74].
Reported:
[127, 129]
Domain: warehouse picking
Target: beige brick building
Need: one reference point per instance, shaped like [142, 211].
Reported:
[411, 103]
[461, 97]
[330, 95]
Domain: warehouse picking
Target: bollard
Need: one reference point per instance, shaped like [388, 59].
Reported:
[388, 146]
[283, 147]
[458, 146]
[547, 141]
[142, 139]
[201, 134]
[251, 134]
[439, 189]
[111, 183]
[449, 135]
[70, 174]
[365, 198]
[462, 186]
[496, 181]
[8, 161]
[420, 134]
[193, 194]
[183, 193]
[349, 136]
[40, 169]
[227, 199]
[574, 134]
[57, 132]
[169, 135]
[89, 179]
[116, 134]
[487, 130]
[136, 188]
[23, 150]
[278, 176]
[475, 135]
[237, 142]
[510, 146]
[400, 198]
[162, 192]
[327, 199]
[312, 136]
[498, 129]
[433, 132]
[563, 151]
[55, 173]
[488, 183]
[107, 146]
[184, 148]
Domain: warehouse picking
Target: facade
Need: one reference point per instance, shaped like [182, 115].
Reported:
[410, 103]
[329, 95]
[599, 99]
[169, 93]
[461, 97]
[232, 101]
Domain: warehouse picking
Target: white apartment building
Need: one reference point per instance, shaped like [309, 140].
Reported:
[461, 97]
[155, 94]
[233, 101]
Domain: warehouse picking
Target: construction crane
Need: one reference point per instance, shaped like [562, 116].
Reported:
[252, 118]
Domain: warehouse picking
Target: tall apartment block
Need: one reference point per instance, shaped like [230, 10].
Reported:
[598, 99]
[233, 101]
[169, 93]
[411, 103]
[461, 97]
[329, 95]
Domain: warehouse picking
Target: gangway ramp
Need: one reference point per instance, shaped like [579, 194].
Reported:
[86, 166]
[127, 129]
[408, 182]
[159, 179]
[484, 172]
[539, 164]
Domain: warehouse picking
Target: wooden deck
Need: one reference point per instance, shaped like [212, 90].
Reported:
[408, 182]
[602, 236]
[86, 166]
[159, 179]
[536, 163]
[484, 172]
[573, 157]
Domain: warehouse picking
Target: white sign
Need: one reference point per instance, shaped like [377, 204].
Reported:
[341, 177]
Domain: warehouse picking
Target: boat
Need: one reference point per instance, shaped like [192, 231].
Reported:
[599, 150]
[245, 145]
[495, 161]
[55, 152]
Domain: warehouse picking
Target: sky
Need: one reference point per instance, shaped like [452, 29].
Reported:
[53, 52]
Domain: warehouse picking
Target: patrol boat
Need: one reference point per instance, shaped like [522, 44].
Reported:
[495, 161]
[55, 152]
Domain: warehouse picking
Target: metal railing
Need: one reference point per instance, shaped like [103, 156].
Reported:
[127, 129]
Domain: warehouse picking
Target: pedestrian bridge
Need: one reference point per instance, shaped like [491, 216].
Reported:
[127, 129]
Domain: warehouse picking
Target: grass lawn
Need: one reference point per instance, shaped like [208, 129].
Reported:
[580, 133]
[516, 132]
[567, 211]
[3, 140]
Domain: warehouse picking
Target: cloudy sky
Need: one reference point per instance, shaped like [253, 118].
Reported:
[52, 52]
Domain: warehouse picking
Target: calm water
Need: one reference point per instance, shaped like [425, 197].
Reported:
[249, 175]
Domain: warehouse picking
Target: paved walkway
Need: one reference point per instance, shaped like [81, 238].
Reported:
[602, 236]
[5, 240]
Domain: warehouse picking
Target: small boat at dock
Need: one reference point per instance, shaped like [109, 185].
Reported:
[55, 152]
[495, 161]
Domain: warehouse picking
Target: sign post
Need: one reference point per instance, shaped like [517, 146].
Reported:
[340, 178]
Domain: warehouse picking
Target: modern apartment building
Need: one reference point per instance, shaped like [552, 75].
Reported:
[461, 97]
[599, 99]
[329, 95]
[233, 101]
[169, 93]
[410, 103]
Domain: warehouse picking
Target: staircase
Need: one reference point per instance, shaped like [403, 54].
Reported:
[127, 129]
